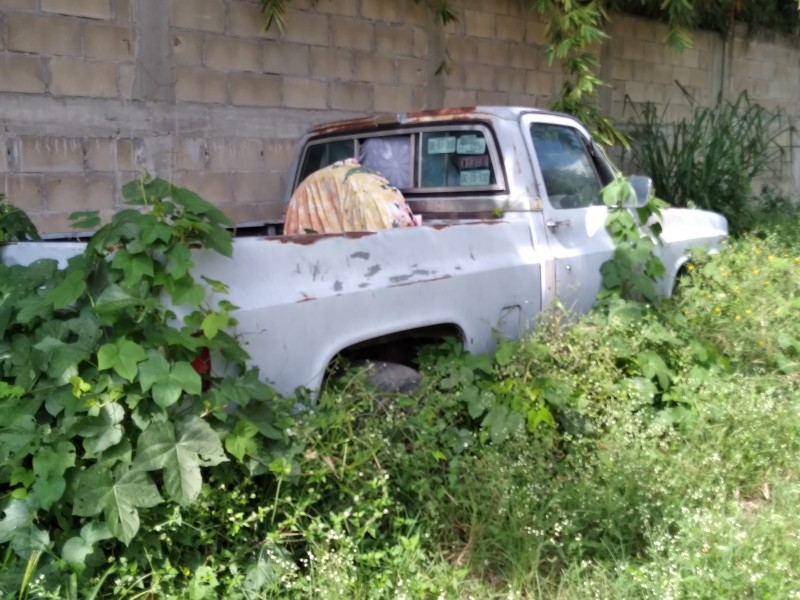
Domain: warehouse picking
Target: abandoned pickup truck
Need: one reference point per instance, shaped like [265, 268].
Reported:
[512, 220]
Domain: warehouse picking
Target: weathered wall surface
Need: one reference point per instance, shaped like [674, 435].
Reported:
[94, 91]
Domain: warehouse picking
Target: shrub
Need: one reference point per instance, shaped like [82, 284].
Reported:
[710, 159]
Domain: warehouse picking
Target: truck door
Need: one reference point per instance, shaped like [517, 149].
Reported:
[569, 176]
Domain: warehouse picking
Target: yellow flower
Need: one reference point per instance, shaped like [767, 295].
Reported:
[749, 312]
[756, 271]
[770, 258]
[738, 317]
[766, 283]
[690, 267]
[760, 342]
[717, 309]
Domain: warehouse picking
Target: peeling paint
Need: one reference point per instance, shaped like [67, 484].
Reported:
[364, 255]
[373, 270]
[313, 238]
[407, 283]
[337, 286]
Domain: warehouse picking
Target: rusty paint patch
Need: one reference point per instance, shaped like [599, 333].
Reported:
[442, 278]
[313, 238]
[306, 299]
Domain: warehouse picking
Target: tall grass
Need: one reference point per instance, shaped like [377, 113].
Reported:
[710, 159]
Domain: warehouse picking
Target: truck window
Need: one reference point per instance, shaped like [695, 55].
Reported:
[570, 177]
[322, 154]
[455, 159]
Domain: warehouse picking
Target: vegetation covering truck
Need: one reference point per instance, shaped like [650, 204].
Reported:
[513, 220]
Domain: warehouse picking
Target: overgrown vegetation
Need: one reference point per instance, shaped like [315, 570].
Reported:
[710, 159]
[636, 452]
[15, 225]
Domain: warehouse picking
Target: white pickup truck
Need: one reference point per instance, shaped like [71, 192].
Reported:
[513, 220]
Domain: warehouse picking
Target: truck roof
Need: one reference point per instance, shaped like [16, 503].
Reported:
[425, 116]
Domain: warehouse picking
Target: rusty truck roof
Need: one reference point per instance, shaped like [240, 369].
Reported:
[425, 116]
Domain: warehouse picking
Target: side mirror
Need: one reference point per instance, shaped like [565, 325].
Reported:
[642, 187]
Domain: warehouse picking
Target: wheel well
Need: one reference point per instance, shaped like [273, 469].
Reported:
[401, 347]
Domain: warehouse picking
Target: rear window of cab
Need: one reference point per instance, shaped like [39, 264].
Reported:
[460, 158]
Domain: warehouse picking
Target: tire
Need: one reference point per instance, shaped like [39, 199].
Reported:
[392, 378]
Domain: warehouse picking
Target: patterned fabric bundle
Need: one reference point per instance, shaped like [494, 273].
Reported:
[346, 196]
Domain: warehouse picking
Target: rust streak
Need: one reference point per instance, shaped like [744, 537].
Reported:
[313, 238]
[306, 299]
[442, 278]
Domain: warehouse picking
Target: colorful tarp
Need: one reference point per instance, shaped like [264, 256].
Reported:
[346, 196]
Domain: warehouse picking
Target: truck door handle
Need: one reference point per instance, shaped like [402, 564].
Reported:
[554, 225]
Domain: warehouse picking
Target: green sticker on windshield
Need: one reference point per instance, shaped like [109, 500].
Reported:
[441, 145]
[475, 177]
[471, 144]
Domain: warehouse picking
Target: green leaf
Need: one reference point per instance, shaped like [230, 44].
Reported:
[117, 495]
[86, 219]
[104, 431]
[168, 383]
[77, 548]
[653, 366]
[241, 440]
[213, 322]
[196, 445]
[49, 466]
[123, 356]
[68, 291]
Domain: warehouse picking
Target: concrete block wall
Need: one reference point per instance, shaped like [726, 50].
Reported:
[92, 92]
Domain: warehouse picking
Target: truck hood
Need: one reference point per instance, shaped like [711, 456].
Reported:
[684, 223]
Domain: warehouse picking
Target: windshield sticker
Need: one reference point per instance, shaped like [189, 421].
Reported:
[442, 145]
[476, 177]
[473, 162]
[471, 144]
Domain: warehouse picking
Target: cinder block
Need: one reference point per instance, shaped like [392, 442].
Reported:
[246, 20]
[50, 155]
[372, 68]
[351, 96]
[394, 41]
[187, 48]
[191, 154]
[214, 187]
[304, 93]
[254, 89]
[287, 59]
[257, 187]
[93, 9]
[480, 77]
[459, 98]
[25, 192]
[525, 56]
[236, 155]
[103, 154]
[279, 153]
[413, 71]
[126, 72]
[307, 28]
[491, 52]
[109, 42]
[491, 98]
[200, 85]
[392, 98]
[68, 193]
[205, 15]
[77, 77]
[43, 34]
[480, 24]
[232, 54]
[338, 7]
[122, 11]
[510, 29]
[357, 34]
[20, 4]
[328, 63]
[462, 49]
[21, 73]
[380, 10]
[535, 32]
[421, 44]
[510, 81]
[538, 83]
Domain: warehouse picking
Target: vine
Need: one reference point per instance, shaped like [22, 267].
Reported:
[110, 409]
